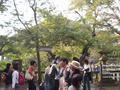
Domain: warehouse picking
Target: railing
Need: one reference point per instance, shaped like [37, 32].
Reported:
[111, 71]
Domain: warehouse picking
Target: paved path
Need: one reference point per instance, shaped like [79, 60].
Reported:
[21, 88]
[96, 87]
[93, 87]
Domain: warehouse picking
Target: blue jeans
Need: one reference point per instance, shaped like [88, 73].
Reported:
[50, 86]
[86, 83]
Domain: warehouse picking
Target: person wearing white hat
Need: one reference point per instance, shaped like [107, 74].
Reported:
[76, 83]
[75, 65]
[75, 68]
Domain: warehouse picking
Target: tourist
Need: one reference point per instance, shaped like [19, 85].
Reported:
[15, 78]
[76, 82]
[50, 75]
[75, 68]
[31, 71]
[86, 76]
[63, 65]
[8, 76]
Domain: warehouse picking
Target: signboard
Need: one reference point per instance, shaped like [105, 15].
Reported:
[111, 71]
[45, 48]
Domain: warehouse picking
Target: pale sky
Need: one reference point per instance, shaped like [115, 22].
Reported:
[61, 6]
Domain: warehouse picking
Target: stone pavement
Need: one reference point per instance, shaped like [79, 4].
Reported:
[93, 87]
[109, 87]
[21, 88]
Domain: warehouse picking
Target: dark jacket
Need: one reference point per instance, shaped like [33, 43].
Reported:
[8, 75]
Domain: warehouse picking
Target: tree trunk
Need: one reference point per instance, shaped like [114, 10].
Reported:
[39, 61]
[84, 52]
[87, 46]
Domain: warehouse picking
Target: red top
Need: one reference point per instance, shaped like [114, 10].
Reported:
[31, 70]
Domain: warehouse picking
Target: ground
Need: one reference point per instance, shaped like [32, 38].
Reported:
[93, 87]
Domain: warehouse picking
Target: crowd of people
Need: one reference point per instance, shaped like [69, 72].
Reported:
[14, 78]
[10, 76]
[64, 74]
[61, 74]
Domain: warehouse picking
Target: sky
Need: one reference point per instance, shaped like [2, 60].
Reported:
[61, 6]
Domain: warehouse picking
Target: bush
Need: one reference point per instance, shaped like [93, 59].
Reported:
[3, 65]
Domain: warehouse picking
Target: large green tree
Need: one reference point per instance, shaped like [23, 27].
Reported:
[32, 32]
[99, 19]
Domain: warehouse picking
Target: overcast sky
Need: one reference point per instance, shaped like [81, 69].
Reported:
[61, 6]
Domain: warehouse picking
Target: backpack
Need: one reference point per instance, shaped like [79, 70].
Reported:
[21, 79]
[3, 77]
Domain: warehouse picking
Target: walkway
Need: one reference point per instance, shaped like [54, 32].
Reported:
[93, 87]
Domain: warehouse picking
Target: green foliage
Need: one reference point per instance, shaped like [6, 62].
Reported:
[3, 7]
[94, 3]
[3, 65]
[66, 37]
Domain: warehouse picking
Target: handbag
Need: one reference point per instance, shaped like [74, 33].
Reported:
[28, 76]
[3, 77]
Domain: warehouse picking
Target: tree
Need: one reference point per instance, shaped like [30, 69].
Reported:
[35, 35]
[65, 32]
[2, 5]
[95, 19]
[3, 43]
[7, 47]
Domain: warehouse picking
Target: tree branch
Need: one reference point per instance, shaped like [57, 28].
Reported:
[81, 17]
[113, 29]
[117, 17]
[18, 16]
[118, 32]
[34, 9]
[2, 47]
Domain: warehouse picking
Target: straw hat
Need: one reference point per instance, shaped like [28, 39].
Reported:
[75, 64]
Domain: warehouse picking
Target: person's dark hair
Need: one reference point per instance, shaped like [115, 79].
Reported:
[58, 57]
[32, 62]
[7, 66]
[76, 59]
[15, 66]
[76, 81]
[65, 60]
[86, 61]
[76, 71]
